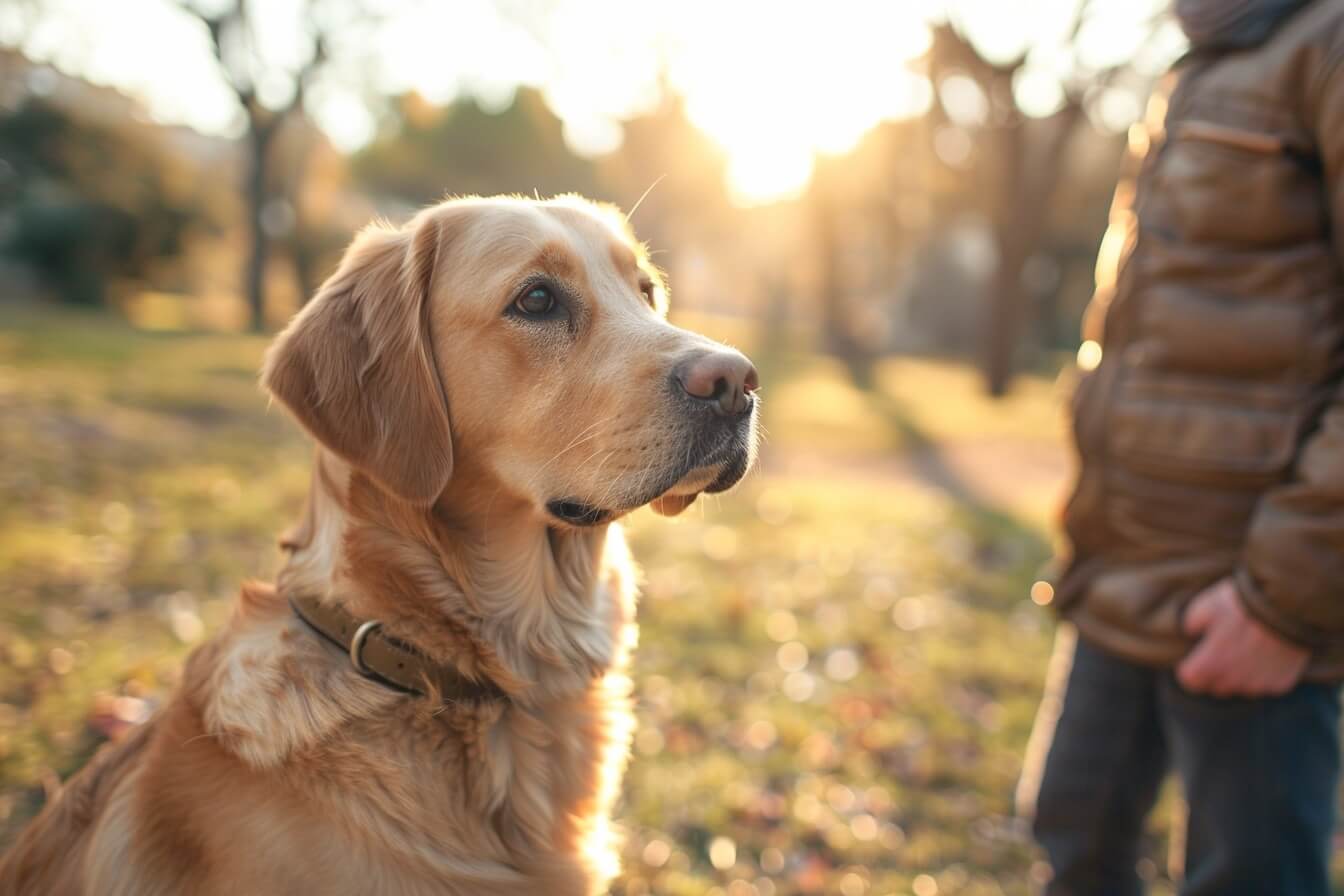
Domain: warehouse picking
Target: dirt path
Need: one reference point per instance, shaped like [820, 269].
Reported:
[1020, 477]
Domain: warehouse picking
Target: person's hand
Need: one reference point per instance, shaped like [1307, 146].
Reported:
[1236, 656]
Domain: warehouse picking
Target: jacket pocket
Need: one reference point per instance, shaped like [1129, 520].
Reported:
[1231, 137]
[1231, 185]
[1203, 432]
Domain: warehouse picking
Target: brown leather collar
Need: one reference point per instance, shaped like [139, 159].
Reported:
[388, 661]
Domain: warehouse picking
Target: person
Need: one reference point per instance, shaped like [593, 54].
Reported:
[1205, 577]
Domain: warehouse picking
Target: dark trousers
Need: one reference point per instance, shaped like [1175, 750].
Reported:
[1259, 776]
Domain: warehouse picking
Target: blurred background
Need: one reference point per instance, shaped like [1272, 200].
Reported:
[893, 207]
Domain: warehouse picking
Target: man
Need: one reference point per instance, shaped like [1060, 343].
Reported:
[1206, 578]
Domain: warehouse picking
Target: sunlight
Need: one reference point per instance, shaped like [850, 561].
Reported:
[806, 82]
[773, 85]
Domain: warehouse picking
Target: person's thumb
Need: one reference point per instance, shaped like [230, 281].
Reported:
[1199, 614]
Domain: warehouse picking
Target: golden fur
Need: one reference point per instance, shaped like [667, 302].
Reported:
[443, 430]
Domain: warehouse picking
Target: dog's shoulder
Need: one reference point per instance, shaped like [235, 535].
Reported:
[269, 688]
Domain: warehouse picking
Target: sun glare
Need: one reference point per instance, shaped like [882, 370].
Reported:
[776, 84]
[773, 84]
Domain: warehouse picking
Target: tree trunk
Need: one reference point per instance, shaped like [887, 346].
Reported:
[1007, 310]
[254, 272]
[1024, 187]
[837, 328]
[1010, 215]
[305, 267]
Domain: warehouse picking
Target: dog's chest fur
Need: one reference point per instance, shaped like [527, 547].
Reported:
[280, 769]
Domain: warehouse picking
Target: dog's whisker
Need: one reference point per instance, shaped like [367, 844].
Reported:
[645, 195]
[578, 440]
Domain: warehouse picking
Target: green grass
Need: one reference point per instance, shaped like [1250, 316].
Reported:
[838, 668]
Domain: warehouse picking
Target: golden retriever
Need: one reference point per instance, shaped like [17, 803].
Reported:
[490, 387]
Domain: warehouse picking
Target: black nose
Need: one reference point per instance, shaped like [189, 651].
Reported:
[724, 378]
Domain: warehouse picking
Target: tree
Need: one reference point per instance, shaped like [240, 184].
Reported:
[462, 148]
[1018, 161]
[85, 203]
[246, 68]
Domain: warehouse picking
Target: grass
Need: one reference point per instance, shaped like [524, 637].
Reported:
[838, 666]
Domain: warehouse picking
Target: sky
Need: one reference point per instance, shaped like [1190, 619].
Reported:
[773, 83]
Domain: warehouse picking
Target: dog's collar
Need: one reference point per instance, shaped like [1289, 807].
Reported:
[386, 660]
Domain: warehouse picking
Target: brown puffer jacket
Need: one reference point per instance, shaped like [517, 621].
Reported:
[1209, 419]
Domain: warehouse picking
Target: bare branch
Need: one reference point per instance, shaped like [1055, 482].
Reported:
[309, 71]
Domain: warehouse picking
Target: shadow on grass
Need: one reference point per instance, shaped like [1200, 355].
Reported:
[994, 527]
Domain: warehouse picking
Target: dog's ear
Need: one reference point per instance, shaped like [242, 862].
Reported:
[356, 366]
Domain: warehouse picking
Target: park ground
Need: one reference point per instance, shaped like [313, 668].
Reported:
[839, 661]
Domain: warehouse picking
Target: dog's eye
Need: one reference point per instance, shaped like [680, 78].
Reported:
[538, 301]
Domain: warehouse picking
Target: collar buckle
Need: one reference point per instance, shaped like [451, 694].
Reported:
[357, 647]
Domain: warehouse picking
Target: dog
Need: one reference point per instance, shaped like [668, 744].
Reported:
[433, 697]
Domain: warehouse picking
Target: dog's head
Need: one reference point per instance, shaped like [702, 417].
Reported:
[523, 343]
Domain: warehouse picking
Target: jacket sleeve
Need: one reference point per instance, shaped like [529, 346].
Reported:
[1291, 576]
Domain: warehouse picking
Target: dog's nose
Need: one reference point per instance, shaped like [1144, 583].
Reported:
[724, 378]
